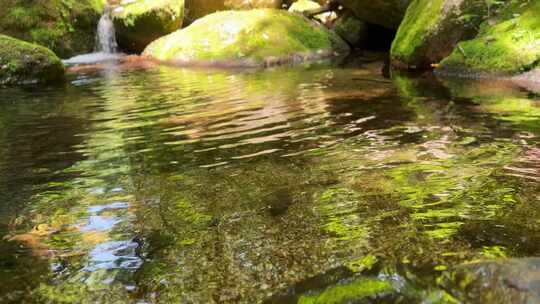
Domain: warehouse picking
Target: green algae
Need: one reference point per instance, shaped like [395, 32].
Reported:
[245, 38]
[356, 290]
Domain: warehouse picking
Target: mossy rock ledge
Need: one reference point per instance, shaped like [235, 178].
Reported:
[505, 46]
[432, 28]
[140, 22]
[22, 62]
[255, 38]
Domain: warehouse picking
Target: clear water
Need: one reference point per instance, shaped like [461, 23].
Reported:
[311, 184]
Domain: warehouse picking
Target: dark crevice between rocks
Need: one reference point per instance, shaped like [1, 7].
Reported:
[378, 38]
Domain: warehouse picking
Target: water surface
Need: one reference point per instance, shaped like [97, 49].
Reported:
[323, 183]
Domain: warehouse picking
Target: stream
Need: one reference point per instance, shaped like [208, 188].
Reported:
[319, 183]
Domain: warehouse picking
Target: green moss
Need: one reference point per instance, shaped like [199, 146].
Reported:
[21, 18]
[431, 28]
[245, 36]
[356, 290]
[420, 15]
[65, 26]
[511, 46]
[25, 62]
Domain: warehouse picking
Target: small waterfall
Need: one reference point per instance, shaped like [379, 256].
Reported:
[106, 48]
[105, 36]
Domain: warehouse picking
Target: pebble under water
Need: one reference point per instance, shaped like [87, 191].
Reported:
[321, 183]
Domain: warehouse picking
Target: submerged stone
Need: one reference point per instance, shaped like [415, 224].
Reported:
[507, 45]
[23, 62]
[140, 22]
[500, 281]
[431, 29]
[247, 39]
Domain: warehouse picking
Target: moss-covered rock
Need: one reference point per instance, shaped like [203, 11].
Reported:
[23, 62]
[248, 39]
[351, 29]
[386, 13]
[196, 9]
[140, 22]
[432, 28]
[67, 27]
[509, 44]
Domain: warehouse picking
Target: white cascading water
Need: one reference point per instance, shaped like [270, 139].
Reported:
[105, 49]
[105, 36]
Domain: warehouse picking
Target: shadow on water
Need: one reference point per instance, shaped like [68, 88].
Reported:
[310, 184]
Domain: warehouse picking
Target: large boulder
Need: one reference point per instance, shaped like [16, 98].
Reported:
[507, 45]
[140, 22]
[23, 62]
[66, 27]
[351, 29]
[432, 28]
[196, 9]
[386, 13]
[247, 38]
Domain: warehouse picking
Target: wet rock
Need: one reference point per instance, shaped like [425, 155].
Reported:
[506, 45]
[137, 23]
[431, 30]
[387, 13]
[23, 62]
[351, 29]
[253, 38]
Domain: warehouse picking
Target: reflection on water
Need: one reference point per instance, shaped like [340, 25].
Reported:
[310, 184]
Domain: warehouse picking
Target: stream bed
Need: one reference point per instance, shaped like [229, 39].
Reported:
[321, 183]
